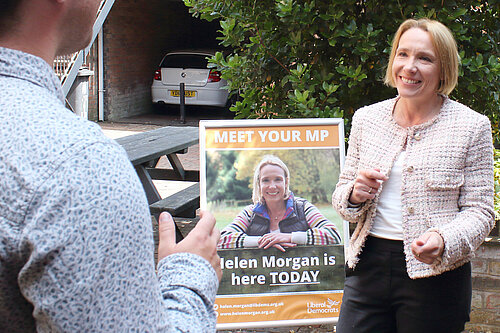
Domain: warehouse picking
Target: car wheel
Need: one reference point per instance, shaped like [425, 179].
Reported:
[162, 108]
[159, 108]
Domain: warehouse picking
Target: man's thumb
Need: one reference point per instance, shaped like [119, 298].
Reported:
[166, 235]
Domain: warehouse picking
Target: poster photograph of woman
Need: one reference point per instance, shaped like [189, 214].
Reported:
[276, 216]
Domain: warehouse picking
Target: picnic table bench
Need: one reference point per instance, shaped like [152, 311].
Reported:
[183, 203]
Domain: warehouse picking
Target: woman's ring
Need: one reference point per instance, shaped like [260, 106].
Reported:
[370, 190]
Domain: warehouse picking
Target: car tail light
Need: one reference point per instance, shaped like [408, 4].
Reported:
[158, 74]
[214, 76]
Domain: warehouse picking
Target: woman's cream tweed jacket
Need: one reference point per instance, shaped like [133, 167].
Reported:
[447, 180]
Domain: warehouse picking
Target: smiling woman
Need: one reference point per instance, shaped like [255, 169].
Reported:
[416, 68]
[277, 218]
[417, 181]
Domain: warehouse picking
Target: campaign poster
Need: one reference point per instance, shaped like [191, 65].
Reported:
[269, 185]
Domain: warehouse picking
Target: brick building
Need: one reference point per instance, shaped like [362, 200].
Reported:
[135, 36]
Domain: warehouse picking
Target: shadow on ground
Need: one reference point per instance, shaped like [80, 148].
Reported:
[170, 116]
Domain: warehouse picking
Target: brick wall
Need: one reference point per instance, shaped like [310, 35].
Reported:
[91, 63]
[137, 33]
[485, 315]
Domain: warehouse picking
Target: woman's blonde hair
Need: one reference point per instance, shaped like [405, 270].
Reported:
[445, 46]
[268, 160]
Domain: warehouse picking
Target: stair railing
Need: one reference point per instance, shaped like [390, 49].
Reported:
[67, 67]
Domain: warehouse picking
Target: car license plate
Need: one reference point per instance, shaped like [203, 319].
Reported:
[187, 93]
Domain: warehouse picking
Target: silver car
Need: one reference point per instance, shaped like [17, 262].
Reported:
[202, 86]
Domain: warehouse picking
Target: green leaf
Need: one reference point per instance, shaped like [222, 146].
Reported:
[479, 59]
[493, 61]
[254, 39]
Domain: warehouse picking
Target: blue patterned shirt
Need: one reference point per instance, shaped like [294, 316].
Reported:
[76, 242]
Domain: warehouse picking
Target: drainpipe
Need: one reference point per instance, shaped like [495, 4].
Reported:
[100, 70]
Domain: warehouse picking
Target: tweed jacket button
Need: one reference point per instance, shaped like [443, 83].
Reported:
[417, 136]
[410, 168]
[411, 210]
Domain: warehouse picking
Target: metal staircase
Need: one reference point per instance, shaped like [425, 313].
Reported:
[67, 67]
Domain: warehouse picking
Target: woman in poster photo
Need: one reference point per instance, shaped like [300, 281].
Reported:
[418, 181]
[277, 218]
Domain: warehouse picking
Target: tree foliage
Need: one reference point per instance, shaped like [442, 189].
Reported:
[222, 180]
[326, 58]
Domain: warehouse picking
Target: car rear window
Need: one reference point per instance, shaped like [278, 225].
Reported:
[185, 61]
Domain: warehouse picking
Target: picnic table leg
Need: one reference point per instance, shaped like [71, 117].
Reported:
[152, 194]
[147, 183]
[178, 234]
[177, 165]
[152, 163]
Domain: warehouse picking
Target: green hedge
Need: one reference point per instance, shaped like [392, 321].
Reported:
[326, 58]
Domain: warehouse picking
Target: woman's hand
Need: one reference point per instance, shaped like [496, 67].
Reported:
[366, 185]
[428, 247]
[278, 240]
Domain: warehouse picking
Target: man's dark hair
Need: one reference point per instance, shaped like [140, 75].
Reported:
[8, 14]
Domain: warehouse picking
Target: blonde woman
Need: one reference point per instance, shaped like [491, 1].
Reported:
[418, 181]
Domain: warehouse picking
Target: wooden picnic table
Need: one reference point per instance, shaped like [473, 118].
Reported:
[144, 151]
[146, 148]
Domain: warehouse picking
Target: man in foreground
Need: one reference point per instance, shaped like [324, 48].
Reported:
[76, 245]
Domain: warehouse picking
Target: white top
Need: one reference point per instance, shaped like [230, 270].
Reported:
[388, 222]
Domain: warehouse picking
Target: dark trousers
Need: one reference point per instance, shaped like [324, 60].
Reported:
[379, 296]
